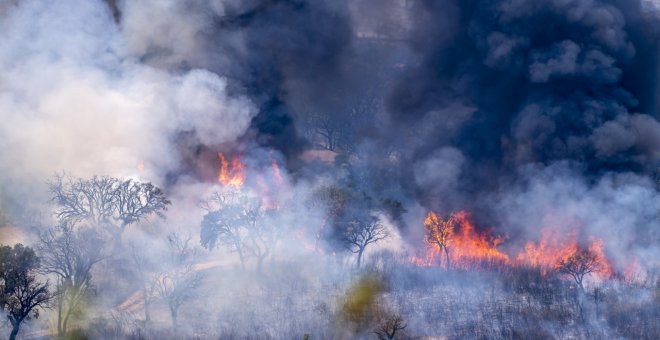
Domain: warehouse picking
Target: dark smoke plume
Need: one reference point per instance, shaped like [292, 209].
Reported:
[547, 81]
[264, 47]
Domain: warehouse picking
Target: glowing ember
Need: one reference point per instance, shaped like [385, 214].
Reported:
[231, 175]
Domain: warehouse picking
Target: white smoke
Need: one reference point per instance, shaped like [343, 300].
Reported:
[73, 97]
[620, 209]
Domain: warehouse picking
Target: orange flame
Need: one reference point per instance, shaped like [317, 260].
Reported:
[555, 247]
[276, 172]
[466, 246]
[469, 248]
[233, 175]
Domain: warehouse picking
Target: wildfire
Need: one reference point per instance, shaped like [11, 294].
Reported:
[276, 172]
[452, 241]
[464, 245]
[555, 247]
[231, 175]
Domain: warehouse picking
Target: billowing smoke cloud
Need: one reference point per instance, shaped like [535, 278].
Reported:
[621, 209]
[74, 97]
[267, 48]
[547, 81]
[447, 110]
[528, 114]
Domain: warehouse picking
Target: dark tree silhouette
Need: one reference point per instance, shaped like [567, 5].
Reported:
[389, 327]
[360, 233]
[105, 202]
[70, 254]
[439, 231]
[579, 264]
[22, 294]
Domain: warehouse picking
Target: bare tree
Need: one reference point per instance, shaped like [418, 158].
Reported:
[261, 237]
[580, 263]
[439, 231]
[223, 226]
[70, 255]
[144, 268]
[105, 202]
[22, 294]
[389, 327]
[178, 283]
[240, 222]
[362, 232]
[324, 130]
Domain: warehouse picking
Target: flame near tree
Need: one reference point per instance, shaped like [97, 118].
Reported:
[439, 231]
[554, 250]
[583, 261]
[454, 236]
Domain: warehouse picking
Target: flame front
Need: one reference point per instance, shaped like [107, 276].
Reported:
[555, 247]
[466, 247]
[231, 175]
[454, 236]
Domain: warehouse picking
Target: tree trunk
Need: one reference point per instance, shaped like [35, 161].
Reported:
[359, 259]
[579, 278]
[173, 314]
[447, 257]
[60, 301]
[240, 256]
[147, 315]
[69, 310]
[66, 321]
[14, 329]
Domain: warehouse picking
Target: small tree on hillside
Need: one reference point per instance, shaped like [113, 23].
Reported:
[144, 266]
[239, 222]
[389, 326]
[439, 231]
[70, 255]
[360, 233]
[22, 294]
[579, 264]
[178, 283]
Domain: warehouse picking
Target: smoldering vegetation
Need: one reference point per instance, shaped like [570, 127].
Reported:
[331, 169]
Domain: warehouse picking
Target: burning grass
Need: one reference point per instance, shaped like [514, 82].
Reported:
[452, 241]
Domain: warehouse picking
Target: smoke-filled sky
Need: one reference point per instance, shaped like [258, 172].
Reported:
[524, 112]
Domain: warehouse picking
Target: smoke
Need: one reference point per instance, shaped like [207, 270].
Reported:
[547, 83]
[162, 87]
[273, 51]
[74, 97]
[621, 209]
[529, 114]
[550, 80]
